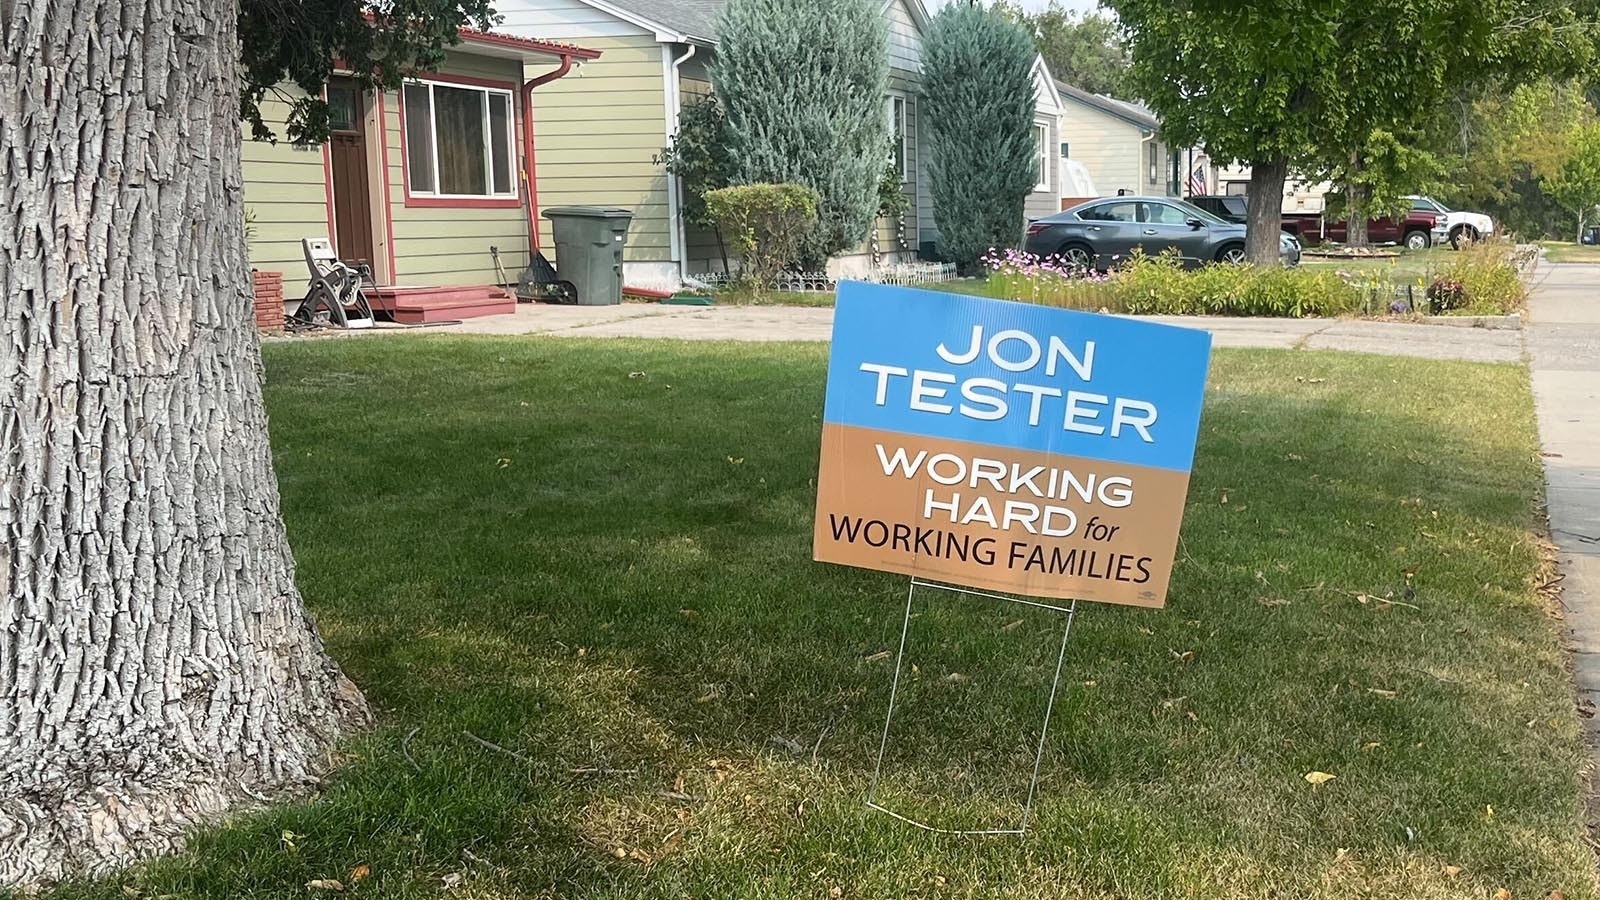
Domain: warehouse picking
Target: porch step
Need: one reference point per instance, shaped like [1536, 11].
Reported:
[420, 305]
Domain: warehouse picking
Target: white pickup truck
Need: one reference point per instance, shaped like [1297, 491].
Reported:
[1457, 227]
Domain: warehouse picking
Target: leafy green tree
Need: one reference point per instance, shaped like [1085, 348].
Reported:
[978, 104]
[1307, 82]
[1376, 178]
[161, 670]
[699, 157]
[1575, 184]
[802, 86]
[1084, 50]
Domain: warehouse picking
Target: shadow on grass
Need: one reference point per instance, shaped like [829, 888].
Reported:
[596, 555]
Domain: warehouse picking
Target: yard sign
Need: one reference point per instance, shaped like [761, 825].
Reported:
[1007, 446]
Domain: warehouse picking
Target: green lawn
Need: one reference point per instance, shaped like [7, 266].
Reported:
[1567, 251]
[596, 555]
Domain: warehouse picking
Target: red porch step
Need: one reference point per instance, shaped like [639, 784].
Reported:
[420, 305]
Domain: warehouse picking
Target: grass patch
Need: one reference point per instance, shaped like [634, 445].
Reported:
[737, 296]
[1569, 252]
[608, 573]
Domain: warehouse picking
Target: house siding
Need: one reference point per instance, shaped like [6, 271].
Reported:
[1107, 146]
[438, 246]
[285, 195]
[596, 134]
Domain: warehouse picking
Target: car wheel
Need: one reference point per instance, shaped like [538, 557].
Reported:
[1466, 234]
[1079, 256]
[1233, 253]
[1418, 240]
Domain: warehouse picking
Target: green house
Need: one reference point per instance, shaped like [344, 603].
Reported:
[417, 184]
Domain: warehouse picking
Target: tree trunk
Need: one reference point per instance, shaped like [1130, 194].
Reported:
[157, 667]
[1264, 211]
[1355, 207]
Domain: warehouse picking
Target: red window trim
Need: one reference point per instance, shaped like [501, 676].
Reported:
[414, 202]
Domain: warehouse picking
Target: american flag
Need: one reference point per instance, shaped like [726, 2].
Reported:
[1197, 178]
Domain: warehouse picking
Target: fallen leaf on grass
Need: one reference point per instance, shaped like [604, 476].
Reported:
[502, 462]
[690, 614]
[452, 880]
[1011, 626]
[1450, 871]
[880, 656]
[1319, 777]
[288, 838]
[1502, 894]
[359, 873]
[1371, 745]
[1184, 657]
[957, 678]
[325, 884]
[619, 853]
[736, 460]
[1385, 694]
[636, 375]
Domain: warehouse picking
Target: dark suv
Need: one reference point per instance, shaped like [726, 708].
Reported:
[1229, 208]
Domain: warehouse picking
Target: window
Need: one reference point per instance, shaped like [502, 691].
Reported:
[459, 141]
[1041, 157]
[1162, 214]
[899, 154]
[1425, 204]
[1153, 156]
[1111, 212]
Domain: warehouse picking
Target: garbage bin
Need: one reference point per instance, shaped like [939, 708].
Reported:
[1591, 235]
[589, 245]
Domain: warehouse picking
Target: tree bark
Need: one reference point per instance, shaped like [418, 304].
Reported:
[157, 666]
[1264, 211]
[1356, 207]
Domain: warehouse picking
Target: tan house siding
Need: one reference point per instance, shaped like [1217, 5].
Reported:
[596, 133]
[284, 196]
[1107, 146]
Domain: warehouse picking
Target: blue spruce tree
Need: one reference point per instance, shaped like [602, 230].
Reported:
[978, 105]
[802, 85]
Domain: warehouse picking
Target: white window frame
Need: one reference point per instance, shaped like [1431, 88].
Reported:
[488, 136]
[1042, 148]
[898, 111]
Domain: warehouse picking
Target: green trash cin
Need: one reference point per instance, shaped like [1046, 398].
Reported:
[589, 243]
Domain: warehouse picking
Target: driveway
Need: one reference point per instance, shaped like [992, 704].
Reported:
[788, 323]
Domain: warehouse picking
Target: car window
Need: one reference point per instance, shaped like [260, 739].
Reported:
[1111, 212]
[1425, 204]
[1163, 214]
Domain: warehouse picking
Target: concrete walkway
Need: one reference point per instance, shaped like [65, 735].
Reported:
[1563, 339]
[788, 323]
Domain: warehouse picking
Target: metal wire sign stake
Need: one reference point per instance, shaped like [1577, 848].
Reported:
[1005, 451]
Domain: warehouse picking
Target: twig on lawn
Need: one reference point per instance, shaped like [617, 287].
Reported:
[818, 746]
[493, 746]
[405, 748]
[600, 770]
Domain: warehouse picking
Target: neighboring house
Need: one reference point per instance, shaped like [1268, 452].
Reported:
[600, 133]
[418, 183]
[1118, 143]
[1050, 143]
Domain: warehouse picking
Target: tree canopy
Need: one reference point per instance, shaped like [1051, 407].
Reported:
[1084, 50]
[299, 41]
[1307, 82]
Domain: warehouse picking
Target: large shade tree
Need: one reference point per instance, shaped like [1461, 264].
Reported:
[1306, 83]
[157, 667]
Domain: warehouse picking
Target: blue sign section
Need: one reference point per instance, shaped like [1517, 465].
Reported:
[1016, 375]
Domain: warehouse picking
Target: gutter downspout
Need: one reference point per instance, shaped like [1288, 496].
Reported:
[1144, 163]
[674, 186]
[528, 151]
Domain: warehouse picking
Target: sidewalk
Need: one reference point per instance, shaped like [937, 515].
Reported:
[788, 323]
[1563, 341]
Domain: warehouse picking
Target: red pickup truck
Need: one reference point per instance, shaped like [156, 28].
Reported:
[1417, 231]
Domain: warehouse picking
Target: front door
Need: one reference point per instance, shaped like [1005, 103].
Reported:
[352, 194]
